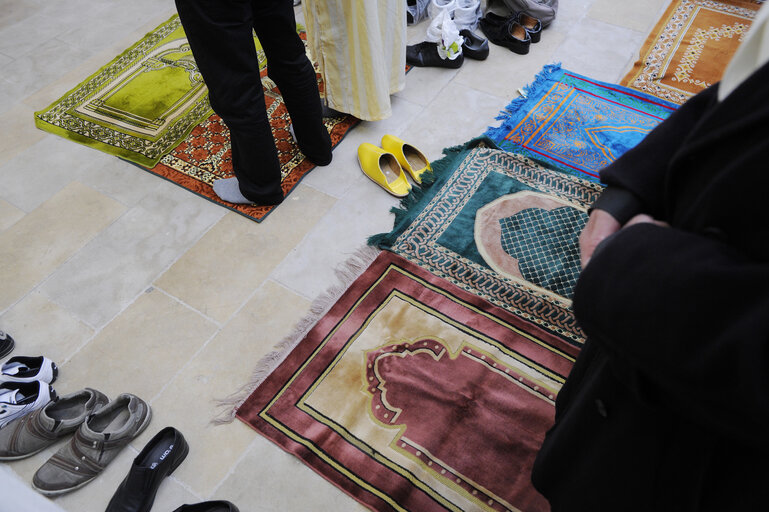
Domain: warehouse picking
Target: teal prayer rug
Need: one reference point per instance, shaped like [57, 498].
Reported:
[576, 124]
[501, 226]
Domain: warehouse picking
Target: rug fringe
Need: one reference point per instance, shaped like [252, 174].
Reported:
[514, 106]
[345, 274]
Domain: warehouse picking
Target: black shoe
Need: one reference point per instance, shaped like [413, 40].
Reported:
[511, 34]
[158, 459]
[425, 54]
[6, 344]
[209, 506]
[532, 25]
[474, 47]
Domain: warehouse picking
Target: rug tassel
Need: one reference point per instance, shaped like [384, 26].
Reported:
[346, 273]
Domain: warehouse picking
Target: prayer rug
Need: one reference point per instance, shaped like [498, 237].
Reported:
[576, 124]
[412, 394]
[502, 227]
[150, 106]
[690, 47]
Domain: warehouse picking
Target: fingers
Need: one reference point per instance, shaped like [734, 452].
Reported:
[642, 218]
[599, 226]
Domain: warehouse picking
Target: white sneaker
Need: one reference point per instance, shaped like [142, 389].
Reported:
[28, 369]
[438, 6]
[20, 399]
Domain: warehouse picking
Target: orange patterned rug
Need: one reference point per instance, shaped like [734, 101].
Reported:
[689, 48]
[205, 155]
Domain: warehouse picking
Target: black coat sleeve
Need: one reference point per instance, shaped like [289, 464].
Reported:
[690, 315]
[642, 169]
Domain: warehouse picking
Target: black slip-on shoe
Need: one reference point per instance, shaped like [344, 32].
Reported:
[512, 35]
[425, 54]
[158, 459]
[474, 46]
[209, 506]
[6, 344]
[532, 25]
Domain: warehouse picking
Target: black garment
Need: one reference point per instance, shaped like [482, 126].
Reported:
[667, 406]
[220, 35]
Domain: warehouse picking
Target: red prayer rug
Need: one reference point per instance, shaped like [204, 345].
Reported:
[413, 394]
[205, 155]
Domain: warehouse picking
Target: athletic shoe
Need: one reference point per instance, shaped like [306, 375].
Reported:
[6, 344]
[28, 369]
[17, 399]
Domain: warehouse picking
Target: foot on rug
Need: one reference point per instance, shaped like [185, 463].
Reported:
[228, 189]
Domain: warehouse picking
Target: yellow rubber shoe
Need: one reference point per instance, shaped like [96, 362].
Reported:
[383, 169]
[411, 159]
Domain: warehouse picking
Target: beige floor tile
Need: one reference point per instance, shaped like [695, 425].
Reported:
[221, 271]
[18, 496]
[41, 327]
[423, 85]
[37, 244]
[140, 351]
[504, 72]
[9, 214]
[459, 114]
[310, 269]
[639, 15]
[267, 479]
[104, 277]
[337, 178]
[19, 132]
[13, 11]
[600, 50]
[225, 364]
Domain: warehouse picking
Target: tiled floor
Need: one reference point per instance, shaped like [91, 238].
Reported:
[134, 285]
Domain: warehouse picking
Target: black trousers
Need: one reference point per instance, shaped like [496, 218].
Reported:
[221, 39]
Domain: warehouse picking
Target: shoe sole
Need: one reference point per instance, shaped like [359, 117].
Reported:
[58, 492]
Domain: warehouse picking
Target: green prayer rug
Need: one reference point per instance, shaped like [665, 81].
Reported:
[140, 105]
[501, 226]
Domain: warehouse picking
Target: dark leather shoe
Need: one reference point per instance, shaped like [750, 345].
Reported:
[209, 506]
[158, 459]
[532, 25]
[474, 47]
[425, 54]
[511, 34]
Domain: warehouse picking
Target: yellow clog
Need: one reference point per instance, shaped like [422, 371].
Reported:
[383, 169]
[410, 158]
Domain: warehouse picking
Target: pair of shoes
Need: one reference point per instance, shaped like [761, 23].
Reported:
[506, 32]
[25, 386]
[209, 506]
[97, 441]
[473, 45]
[6, 344]
[385, 166]
[532, 25]
[157, 460]
[37, 431]
[425, 54]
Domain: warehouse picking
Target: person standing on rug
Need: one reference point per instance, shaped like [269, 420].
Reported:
[220, 33]
[667, 405]
[360, 46]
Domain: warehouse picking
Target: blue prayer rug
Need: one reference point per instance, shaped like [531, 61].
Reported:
[575, 124]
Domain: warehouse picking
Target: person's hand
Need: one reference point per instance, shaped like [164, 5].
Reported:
[600, 225]
[642, 218]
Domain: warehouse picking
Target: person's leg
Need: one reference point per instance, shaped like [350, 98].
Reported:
[289, 67]
[220, 35]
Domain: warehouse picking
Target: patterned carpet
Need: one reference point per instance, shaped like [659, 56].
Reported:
[690, 46]
[501, 226]
[149, 106]
[413, 394]
[576, 124]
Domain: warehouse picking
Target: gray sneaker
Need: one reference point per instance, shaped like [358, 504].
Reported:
[36, 431]
[95, 444]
